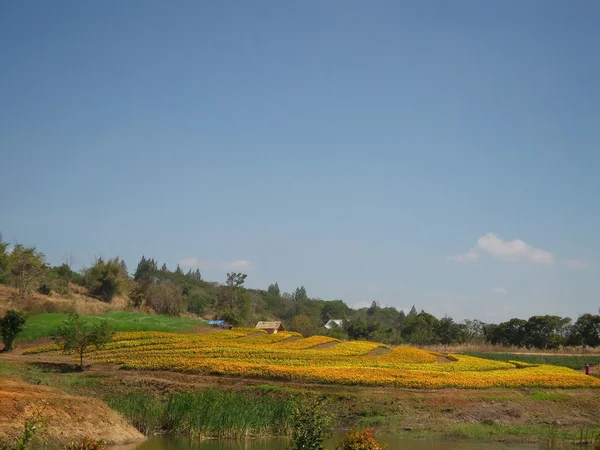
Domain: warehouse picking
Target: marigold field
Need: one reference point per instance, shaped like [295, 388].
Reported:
[321, 359]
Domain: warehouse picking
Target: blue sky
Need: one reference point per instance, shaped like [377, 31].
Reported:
[442, 154]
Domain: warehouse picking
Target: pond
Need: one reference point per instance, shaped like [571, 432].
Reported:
[181, 443]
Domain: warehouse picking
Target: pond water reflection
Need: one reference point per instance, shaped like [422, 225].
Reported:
[395, 443]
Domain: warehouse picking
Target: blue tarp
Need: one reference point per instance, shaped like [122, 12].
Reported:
[216, 322]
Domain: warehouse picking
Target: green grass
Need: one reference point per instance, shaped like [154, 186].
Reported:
[576, 362]
[43, 325]
[208, 413]
[549, 396]
[486, 431]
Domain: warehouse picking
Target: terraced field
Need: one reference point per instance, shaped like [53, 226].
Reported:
[321, 359]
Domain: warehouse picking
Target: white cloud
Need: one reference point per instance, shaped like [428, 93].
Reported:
[203, 264]
[577, 264]
[238, 264]
[470, 256]
[515, 250]
[499, 290]
[510, 251]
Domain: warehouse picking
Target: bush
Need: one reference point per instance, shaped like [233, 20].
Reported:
[104, 280]
[360, 440]
[44, 289]
[310, 425]
[11, 325]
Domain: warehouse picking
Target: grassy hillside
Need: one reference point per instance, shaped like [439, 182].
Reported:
[42, 325]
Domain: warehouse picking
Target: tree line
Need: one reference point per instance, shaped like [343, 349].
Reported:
[154, 287]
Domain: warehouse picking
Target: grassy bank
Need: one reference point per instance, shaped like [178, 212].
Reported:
[576, 362]
[42, 325]
[211, 412]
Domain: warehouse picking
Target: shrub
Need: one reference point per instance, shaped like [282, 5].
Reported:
[11, 325]
[104, 280]
[360, 440]
[310, 425]
[44, 289]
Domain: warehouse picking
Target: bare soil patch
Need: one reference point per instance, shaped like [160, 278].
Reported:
[325, 345]
[65, 417]
[379, 351]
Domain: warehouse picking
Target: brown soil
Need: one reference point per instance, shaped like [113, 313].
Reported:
[379, 351]
[64, 417]
[325, 345]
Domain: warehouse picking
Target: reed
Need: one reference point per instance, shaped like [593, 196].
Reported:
[208, 413]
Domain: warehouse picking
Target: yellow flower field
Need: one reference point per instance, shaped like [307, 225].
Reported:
[321, 359]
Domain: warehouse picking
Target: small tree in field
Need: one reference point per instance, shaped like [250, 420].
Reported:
[11, 324]
[77, 335]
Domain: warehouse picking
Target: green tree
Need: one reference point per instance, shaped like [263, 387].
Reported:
[300, 294]
[233, 303]
[586, 331]
[449, 331]
[546, 331]
[78, 335]
[420, 329]
[104, 280]
[146, 270]
[335, 309]
[4, 279]
[274, 289]
[310, 424]
[26, 267]
[512, 332]
[356, 328]
[303, 325]
[11, 324]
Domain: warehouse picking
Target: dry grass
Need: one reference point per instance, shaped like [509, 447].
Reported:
[77, 301]
[488, 348]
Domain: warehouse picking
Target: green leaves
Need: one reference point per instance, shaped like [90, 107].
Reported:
[77, 335]
[11, 324]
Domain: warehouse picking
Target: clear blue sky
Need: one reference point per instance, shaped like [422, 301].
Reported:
[364, 150]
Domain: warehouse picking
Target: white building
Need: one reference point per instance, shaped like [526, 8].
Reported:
[332, 322]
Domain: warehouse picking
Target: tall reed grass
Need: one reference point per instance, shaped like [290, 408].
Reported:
[208, 413]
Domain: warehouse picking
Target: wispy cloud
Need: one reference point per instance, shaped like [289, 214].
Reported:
[203, 264]
[509, 251]
[470, 256]
[499, 290]
[577, 264]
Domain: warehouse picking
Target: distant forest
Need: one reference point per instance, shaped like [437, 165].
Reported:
[175, 292]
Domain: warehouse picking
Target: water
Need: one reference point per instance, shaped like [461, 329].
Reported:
[181, 443]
